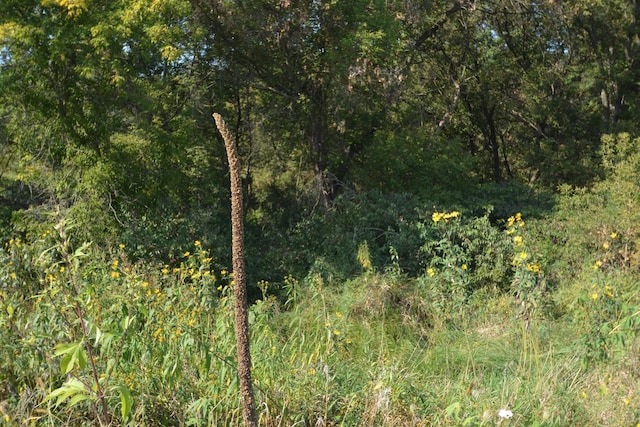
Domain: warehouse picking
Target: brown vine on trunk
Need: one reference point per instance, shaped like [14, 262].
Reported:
[240, 286]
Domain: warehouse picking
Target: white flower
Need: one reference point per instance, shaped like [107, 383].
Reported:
[505, 413]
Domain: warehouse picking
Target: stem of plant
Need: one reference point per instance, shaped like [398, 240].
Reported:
[104, 419]
[240, 285]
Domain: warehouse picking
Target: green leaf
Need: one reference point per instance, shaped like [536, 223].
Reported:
[126, 400]
[73, 354]
[73, 389]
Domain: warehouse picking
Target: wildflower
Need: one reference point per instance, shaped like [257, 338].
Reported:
[597, 265]
[165, 270]
[115, 274]
[336, 332]
[431, 272]
[605, 245]
[62, 269]
[614, 235]
[121, 246]
[534, 268]
[464, 266]
[518, 241]
[338, 315]
[13, 276]
[505, 414]
[626, 401]
[145, 284]
[198, 243]
[114, 264]
[594, 296]
[186, 254]
[437, 216]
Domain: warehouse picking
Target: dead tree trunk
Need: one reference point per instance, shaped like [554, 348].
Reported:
[240, 285]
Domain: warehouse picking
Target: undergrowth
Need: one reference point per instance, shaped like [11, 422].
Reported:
[511, 321]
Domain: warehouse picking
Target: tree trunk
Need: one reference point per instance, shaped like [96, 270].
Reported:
[240, 285]
[317, 148]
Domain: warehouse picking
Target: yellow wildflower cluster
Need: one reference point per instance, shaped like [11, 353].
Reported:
[513, 221]
[446, 216]
[115, 274]
[597, 291]
[520, 259]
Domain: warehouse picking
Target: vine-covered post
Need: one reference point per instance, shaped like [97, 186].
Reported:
[240, 285]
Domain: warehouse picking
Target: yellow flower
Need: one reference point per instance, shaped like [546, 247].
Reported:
[115, 274]
[13, 276]
[605, 245]
[186, 254]
[435, 217]
[197, 243]
[518, 241]
[338, 315]
[431, 272]
[614, 235]
[62, 269]
[165, 270]
[121, 246]
[626, 401]
[336, 332]
[114, 264]
[534, 268]
[594, 296]
[464, 266]
[597, 265]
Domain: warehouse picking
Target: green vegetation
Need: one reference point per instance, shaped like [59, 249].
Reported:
[442, 212]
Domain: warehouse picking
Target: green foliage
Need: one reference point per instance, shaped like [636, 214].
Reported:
[471, 254]
[387, 148]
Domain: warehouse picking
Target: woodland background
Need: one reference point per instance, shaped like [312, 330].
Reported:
[441, 209]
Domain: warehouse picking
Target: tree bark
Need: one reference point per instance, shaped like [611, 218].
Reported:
[240, 285]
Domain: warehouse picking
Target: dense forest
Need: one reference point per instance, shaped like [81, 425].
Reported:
[441, 211]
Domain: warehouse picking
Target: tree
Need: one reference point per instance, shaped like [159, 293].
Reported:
[306, 57]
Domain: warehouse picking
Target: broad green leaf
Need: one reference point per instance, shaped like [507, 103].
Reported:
[126, 401]
[72, 388]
